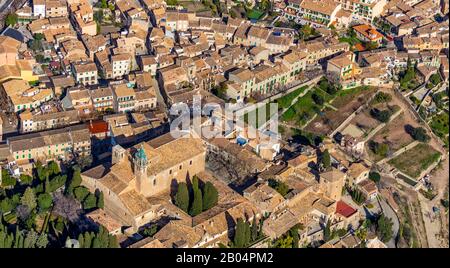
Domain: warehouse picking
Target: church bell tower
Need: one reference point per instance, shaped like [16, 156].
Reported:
[140, 168]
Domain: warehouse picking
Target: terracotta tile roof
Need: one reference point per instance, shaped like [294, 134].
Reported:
[345, 210]
[98, 127]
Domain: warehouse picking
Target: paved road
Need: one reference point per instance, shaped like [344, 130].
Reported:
[390, 213]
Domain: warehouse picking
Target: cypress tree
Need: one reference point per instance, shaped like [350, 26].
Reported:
[248, 234]
[196, 207]
[113, 242]
[81, 240]
[194, 183]
[182, 197]
[96, 242]
[100, 201]
[239, 234]
[74, 182]
[326, 159]
[254, 229]
[87, 240]
[327, 231]
[210, 196]
[294, 234]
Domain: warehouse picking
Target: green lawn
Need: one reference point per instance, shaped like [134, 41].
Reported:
[439, 125]
[303, 110]
[305, 107]
[255, 14]
[415, 160]
[286, 100]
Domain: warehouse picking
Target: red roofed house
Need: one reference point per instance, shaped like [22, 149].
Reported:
[98, 129]
[368, 33]
[346, 216]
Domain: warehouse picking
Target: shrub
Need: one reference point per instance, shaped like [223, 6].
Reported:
[81, 193]
[25, 179]
[380, 149]
[435, 79]
[418, 133]
[382, 97]
[374, 176]
[90, 201]
[381, 115]
[45, 201]
[279, 186]
[317, 99]
[150, 231]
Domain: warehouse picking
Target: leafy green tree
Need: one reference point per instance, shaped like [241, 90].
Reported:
[210, 196]
[45, 201]
[11, 19]
[381, 115]
[325, 159]
[74, 182]
[42, 172]
[374, 176]
[57, 182]
[381, 149]
[38, 36]
[197, 206]
[89, 202]
[279, 186]
[317, 99]
[150, 231]
[29, 199]
[53, 168]
[182, 197]
[81, 193]
[419, 134]
[25, 179]
[435, 79]
[382, 97]
[7, 180]
[384, 228]
[6, 205]
[284, 242]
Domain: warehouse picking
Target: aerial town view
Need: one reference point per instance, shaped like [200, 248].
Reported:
[255, 124]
